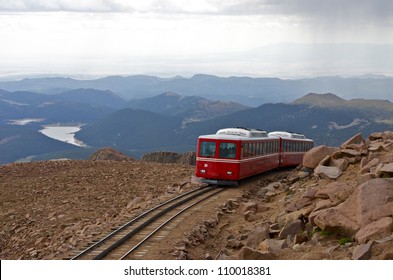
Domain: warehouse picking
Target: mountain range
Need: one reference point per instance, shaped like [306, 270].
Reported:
[168, 121]
[326, 118]
[245, 90]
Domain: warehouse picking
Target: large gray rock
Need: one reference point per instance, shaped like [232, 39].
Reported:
[312, 158]
[330, 172]
[368, 203]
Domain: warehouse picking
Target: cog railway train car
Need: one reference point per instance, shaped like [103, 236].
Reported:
[233, 154]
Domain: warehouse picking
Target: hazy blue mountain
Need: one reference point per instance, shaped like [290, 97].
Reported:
[63, 107]
[92, 97]
[130, 129]
[245, 90]
[189, 108]
[325, 118]
[140, 131]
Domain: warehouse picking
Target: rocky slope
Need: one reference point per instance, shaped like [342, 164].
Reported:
[337, 206]
[48, 209]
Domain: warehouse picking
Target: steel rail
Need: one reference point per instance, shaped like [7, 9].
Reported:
[166, 222]
[144, 224]
[129, 223]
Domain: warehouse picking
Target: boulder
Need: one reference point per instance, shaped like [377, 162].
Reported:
[291, 229]
[355, 141]
[349, 153]
[312, 158]
[335, 191]
[375, 230]
[375, 136]
[362, 252]
[341, 163]
[247, 253]
[388, 135]
[385, 170]
[367, 167]
[376, 147]
[330, 172]
[366, 204]
[298, 204]
[257, 236]
[272, 245]
[362, 178]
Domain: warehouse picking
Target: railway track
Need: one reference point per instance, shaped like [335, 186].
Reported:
[124, 242]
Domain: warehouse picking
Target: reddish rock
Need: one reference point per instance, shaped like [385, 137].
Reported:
[335, 191]
[372, 163]
[312, 158]
[362, 252]
[272, 245]
[330, 172]
[375, 230]
[366, 204]
[388, 135]
[257, 236]
[248, 207]
[376, 136]
[365, 177]
[353, 142]
[109, 154]
[385, 170]
[291, 229]
[247, 253]
[341, 163]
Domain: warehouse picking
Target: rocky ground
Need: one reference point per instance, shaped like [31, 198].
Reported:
[338, 206]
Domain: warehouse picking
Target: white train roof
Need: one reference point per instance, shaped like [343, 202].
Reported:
[284, 134]
[244, 132]
[251, 133]
[238, 133]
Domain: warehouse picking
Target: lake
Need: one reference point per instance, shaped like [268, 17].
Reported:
[63, 133]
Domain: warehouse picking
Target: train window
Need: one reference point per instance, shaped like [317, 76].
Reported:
[252, 149]
[244, 150]
[260, 152]
[207, 149]
[227, 150]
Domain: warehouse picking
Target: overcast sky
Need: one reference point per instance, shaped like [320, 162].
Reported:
[285, 38]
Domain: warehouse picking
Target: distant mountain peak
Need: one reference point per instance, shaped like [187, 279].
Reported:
[325, 99]
[170, 94]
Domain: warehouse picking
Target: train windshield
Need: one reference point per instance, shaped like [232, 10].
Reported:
[207, 149]
[227, 150]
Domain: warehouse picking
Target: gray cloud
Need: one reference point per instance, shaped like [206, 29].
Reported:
[375, 10]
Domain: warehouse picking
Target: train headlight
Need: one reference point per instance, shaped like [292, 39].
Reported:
[229, 172]
[203, 171]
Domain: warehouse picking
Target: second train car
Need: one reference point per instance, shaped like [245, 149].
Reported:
[233, 154]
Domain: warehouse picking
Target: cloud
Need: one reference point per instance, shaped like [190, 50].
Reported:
[365, 10]
[64, 5]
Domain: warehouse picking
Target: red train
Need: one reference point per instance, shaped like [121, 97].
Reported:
[233, 154]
